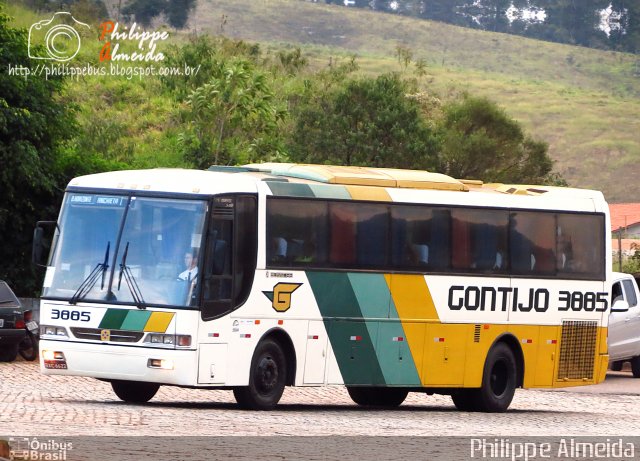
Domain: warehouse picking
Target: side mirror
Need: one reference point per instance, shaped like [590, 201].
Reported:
[620, 306]
[41, 244]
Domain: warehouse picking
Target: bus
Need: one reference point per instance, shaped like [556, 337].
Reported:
[385, 281]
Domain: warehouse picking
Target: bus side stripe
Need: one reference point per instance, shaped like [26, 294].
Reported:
[412, 301]
[375, 301]
[343, 319]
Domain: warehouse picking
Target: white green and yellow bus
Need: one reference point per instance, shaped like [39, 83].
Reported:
[271, 275]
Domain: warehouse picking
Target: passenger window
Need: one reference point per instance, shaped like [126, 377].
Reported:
[359, 234]
[296, 233]
[420, 238]
[533, 243]
[579, 249]
[481, 243]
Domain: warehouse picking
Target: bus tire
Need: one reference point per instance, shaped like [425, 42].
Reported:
[498, 380]
[378, 396]
[465, 399]
[617, 366]
[635, 366]
[134, 391]
[267, 378]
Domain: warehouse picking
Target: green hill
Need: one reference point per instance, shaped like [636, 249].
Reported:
[585, 103]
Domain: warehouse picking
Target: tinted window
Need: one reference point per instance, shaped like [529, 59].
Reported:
[420, 237]
[359, 234]
[579, 245]
[480, 240]
[533, 243]
[297, 233]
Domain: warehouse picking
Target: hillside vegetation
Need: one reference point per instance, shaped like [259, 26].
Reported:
[585, 103]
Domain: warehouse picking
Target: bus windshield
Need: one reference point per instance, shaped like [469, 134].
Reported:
[134, 250]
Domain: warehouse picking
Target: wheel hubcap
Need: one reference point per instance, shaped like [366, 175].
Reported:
[267, 374]
[499, 378]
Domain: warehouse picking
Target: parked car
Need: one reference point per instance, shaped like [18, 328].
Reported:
[624, 323]
[12, 324]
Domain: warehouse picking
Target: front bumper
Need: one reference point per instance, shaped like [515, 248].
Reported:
[128, 363]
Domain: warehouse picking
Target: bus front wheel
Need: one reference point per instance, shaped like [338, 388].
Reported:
[267, 378]
[134, 391]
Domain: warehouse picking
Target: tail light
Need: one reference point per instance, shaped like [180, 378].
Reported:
[20, 324]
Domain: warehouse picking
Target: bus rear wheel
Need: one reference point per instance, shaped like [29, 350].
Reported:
[377, 396]
[617, 366]
[134, 391]
[498, 380]
[465, 399]
[267, 378]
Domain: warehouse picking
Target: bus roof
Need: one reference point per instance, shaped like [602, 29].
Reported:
[332, 181]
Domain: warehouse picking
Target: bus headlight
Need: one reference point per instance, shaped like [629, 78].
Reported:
[168, 340]
[52, 330]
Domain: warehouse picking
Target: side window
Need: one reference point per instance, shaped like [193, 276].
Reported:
[579, 250]
[420, 238]
[630, 293]
[359, 234]
[296, 232]
[230, 256]
[533, 243]
[480, 240]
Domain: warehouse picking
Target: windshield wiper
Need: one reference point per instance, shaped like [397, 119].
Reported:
[88, 283]
[134, 289]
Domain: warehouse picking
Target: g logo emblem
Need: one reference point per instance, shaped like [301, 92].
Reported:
[280, 297]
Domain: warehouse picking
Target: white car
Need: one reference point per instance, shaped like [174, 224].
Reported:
[624, 324]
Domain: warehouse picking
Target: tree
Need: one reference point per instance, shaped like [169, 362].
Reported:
[480, 141]
[368, 122]
[145, 11]
[33, 124]
[232, 118]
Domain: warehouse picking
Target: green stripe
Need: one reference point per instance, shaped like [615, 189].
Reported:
[322, 191]
[339, 308]
[290, 189]
[136, 320]
[375, 302]
[113, 319]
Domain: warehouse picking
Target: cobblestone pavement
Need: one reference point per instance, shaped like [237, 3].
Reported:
[32, 404]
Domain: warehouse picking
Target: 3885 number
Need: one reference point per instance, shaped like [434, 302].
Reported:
[70, 315]
[579, 301]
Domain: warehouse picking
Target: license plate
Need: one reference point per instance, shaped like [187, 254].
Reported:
[55, 365]
[32, 326]
[1, 323]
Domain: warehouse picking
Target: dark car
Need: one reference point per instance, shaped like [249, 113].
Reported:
[12, 326]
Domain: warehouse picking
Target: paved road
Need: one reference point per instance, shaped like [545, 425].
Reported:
[37, 405]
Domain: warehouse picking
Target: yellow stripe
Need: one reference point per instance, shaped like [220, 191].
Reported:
[414, 304]
[159, 322]
[378, 194]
